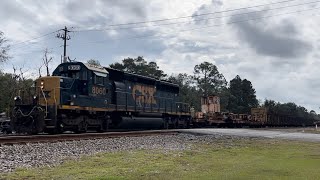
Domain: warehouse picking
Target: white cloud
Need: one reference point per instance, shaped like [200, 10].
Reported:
[178, 48]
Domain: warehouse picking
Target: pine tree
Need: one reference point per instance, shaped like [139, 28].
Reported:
[242, 96]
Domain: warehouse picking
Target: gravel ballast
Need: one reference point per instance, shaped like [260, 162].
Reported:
[51, 154]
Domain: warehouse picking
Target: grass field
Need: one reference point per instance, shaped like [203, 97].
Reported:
[224, 159]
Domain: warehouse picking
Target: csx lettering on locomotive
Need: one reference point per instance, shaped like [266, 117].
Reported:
[144, 94]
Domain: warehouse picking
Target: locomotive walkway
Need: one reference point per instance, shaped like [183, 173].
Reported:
[257, 133]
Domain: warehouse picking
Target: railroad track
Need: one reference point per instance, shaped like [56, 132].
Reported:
[73, 137]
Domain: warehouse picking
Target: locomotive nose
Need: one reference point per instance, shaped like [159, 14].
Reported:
[48, 90]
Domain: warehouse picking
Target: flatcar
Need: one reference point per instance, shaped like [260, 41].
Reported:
[81, 97]
[210, 115]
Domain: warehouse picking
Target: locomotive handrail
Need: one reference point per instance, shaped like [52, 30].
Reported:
[54, 96]
[182, 109]
[45, 99]
[55, 101]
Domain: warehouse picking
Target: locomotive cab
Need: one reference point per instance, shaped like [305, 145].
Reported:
[83, 85]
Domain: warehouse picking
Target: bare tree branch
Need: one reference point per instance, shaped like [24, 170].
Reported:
[3, 48]
[46, 60]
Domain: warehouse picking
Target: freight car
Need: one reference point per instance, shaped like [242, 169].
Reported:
[210, 115]
[264, 117]
[80, 96]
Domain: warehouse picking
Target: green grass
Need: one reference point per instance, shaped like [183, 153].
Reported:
[240, 159]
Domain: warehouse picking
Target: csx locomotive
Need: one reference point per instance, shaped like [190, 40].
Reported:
[80, 96]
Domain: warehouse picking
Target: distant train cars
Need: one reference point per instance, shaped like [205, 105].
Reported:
[80, 96]
[259, 117]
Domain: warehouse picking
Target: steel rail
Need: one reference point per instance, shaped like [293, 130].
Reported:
[9, 140]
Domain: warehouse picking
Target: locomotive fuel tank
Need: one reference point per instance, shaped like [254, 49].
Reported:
[138, 122]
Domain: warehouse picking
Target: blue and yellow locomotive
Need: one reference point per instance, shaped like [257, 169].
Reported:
[80, 97]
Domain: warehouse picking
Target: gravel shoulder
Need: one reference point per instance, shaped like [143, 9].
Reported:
[275, 134]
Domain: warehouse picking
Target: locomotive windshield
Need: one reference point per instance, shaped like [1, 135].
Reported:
[74, 75]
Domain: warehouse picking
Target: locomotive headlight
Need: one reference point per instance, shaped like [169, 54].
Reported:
[35, 100]
[42, 85]
[71, 103]
[17, 98]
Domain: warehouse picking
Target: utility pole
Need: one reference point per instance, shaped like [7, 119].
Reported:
[65, 37]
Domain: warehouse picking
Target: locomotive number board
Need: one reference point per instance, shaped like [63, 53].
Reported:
[74, 67]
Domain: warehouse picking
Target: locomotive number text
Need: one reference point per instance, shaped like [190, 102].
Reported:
[99, 90]
[74, 67]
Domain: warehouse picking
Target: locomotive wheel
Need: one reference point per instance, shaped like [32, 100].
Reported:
[186, 124]
[165, 125]
[82, 127]
[30, 127]
[104, 126]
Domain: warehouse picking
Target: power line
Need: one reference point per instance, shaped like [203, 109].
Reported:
[173, 23]
[217, 25]
[197, 15]
[35, 51]
[23, 42]
[30, 44]
[36, 42]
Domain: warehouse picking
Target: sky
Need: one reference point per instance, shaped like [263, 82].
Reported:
[272, 43]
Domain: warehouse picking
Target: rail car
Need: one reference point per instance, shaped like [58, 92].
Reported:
[81, 97]
[210, 115]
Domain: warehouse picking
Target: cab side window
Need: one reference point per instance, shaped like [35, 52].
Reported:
[84, 75]
[98, 80]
